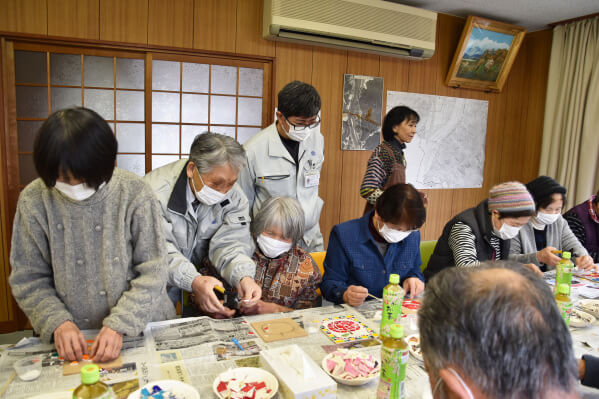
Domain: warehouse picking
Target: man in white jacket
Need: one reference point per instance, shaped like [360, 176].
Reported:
[285, 159]
[205, 215]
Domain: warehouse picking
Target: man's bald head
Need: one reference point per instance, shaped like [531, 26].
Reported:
[499, 325]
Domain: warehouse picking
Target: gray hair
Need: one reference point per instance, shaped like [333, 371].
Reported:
[500, 327]
[285, 213]
[209, 150]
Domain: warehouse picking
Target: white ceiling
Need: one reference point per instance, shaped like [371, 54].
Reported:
[532, 14]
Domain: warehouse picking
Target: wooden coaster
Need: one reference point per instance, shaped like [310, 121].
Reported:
[278, 329]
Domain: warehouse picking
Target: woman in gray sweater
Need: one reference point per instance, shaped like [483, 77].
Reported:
[88, 251]
[548, 231]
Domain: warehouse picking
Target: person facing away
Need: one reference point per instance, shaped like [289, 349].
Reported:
[206, 216]
[495, 331]
[583, 220]
[285, 159]
[387, 164]
[87, 248]
[287, 274]
[364, 252]
[547, 231]
[484, 232]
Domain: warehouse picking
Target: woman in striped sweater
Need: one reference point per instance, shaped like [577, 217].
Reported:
[484, 232]
[387, 164]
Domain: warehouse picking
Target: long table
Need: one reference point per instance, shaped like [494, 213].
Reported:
[197, 350]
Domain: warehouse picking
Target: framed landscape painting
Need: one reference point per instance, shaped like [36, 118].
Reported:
[485, 54]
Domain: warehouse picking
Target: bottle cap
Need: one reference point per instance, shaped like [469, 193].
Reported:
[563, 289]
[90, 374]
[394, 278]
[396, 331]
[566, 255]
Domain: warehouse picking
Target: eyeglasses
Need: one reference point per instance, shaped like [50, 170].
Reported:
[299, 128]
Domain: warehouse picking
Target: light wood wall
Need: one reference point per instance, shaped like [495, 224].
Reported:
[515, 119]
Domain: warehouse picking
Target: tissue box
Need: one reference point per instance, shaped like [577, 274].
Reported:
[299, 376]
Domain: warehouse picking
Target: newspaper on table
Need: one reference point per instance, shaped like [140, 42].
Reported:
[124, 380]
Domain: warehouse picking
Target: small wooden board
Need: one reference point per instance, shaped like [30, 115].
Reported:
[278, 329]
[70, 368]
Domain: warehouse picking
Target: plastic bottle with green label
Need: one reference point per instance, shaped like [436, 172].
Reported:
[394, 361]
[563, 273]
[392, 300]
[91, 387]
[564, 303]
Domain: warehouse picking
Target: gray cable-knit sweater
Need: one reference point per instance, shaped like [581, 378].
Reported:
[97, 262]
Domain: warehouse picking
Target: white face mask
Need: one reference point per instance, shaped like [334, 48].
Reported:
[461, 381]
[77, 192]
[207, 195]
[546, 218]
[507, 232]
[391, 235]
[272, 248]
[303, 134]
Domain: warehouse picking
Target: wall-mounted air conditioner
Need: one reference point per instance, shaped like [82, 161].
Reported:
[374, 26]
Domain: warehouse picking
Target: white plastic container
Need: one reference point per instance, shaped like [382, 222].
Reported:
[29, 368]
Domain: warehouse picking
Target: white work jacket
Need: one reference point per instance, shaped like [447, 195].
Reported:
[272, 172]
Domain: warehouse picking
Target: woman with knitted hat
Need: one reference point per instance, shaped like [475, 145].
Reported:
[584, 222]
[547, 231]
[484, 232]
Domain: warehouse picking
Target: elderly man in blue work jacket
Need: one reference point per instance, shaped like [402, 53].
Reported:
[205, 215]
[285, 159]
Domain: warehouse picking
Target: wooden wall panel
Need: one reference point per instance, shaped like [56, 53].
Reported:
[215, 25]
[531, 129]
[124, 21]
[249, 30]
[292, 62]
[354, 162]
[25, 16]
[74, 18]
[327, 77]
[170, 23]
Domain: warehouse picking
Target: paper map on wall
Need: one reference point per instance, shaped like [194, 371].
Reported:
[346, 329]
[448, 150]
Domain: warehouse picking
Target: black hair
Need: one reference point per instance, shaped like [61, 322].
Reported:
[395, 117]
[401, 203]
[500, 328]
[546, 200]
[298, 99]
[596, 199]
[76, 141]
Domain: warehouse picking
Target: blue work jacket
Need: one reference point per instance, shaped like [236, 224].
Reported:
[353, 258]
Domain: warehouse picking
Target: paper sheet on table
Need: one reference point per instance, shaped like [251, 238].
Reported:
[174, 371]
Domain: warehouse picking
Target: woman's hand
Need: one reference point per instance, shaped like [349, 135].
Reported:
[107, 346]
[69, 341]
[355, 295]
[585, 262]
[414, 286]
[547, 256]
[249, 291]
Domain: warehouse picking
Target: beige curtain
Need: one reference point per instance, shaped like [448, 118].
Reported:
[570, 151]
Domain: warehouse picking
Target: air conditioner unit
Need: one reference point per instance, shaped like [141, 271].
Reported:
[374, 26]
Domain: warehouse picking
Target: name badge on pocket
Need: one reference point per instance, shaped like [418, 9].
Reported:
[312, 178]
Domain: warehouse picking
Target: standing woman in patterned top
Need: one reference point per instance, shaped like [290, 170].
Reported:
[387, 164]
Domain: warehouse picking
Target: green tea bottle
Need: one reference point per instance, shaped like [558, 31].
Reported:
[392, 300]
[394, 360]
[564, 303]
[563, 273]
[91, 387]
